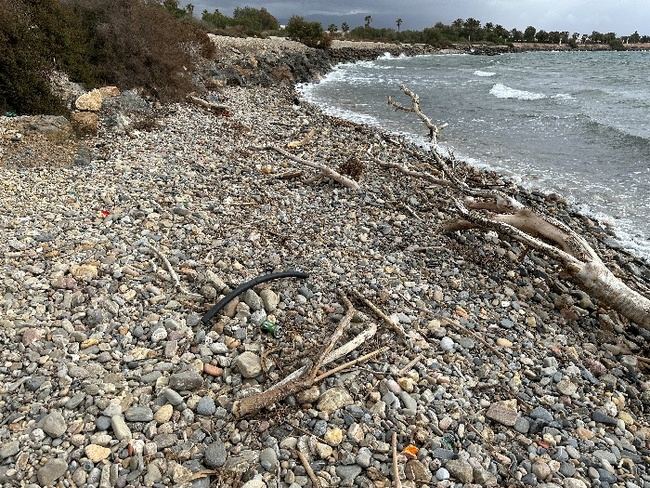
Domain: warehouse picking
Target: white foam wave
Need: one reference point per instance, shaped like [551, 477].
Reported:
[484, 74]
[625, 231]
[502, 91]
[388, 55]
[563, 96]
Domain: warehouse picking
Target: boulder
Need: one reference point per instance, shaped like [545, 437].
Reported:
[91, 101]
[109, 91]
[85, 122]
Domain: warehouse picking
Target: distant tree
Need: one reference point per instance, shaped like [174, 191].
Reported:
[216, 19]
[517, 35]
[257, 20]
[332, 28]
[399, 23]
[345, 27]
[458, 24]
[189, 8]
[309, 33]
[434, 36]
[609, 37]
[542, 36]
[596, 37]
[616, 44]
[554, 37]
[501, 31]
[529, 34]
[472, 28]
[635, 38]
[368, 20]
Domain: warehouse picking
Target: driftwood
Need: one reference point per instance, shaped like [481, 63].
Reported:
[434, 129]
[301, 142]
[324, 170]
[415, 174]
[397, 482]
[307, 376]
[177, 281]
[490, 209]
[213, 107]
[380, 314]
[310, 472]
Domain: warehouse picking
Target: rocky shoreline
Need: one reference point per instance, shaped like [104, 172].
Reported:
[510, 377]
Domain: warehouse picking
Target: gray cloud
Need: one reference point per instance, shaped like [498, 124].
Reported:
[621, 16]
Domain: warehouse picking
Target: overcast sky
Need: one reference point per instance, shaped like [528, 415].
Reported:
[620, 16]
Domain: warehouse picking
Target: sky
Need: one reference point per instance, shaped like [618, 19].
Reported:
[584, 16]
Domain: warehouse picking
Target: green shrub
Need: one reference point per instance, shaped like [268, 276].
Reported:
[136, 43]
[129, 43]
[24, 62]
[309, 33]
[616, 44]
[254, 19]
[216, 19]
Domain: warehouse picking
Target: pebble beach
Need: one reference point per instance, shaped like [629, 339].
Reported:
[507, 376]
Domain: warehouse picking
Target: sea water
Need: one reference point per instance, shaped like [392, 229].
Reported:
[574, 123]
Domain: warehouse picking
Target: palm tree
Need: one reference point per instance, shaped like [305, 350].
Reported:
[332, 28]
[399, 23]
[345, 27]
[367, 19]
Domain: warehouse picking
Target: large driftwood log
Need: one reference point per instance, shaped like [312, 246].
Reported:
[494, 210]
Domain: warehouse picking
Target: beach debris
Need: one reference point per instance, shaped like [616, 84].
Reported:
[301, 142]
[216, 108]
[177, 281]
[307, 376]
[353, 168]
[434, 129]
[397, 482]
[270, 328]
[247, 286]
[324, 170]
[491, 209]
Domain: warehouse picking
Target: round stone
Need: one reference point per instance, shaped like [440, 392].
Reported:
[447, 344]
[442, 474]
[206, 406]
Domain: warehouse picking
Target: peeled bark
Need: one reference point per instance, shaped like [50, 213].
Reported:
[599, 282]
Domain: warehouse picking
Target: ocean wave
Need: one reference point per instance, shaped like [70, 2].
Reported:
[502, 91]
[626, 233]
[388, 55]
[563, 96]
[484, 74]
[608, 129]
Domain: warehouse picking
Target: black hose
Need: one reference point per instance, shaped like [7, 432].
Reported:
[246, 286]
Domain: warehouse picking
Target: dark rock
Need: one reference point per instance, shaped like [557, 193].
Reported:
[540, 413]
[602, 418]
[215, 455]
[186, 381]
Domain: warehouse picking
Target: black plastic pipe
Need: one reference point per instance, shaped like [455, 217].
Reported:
[248, 285]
